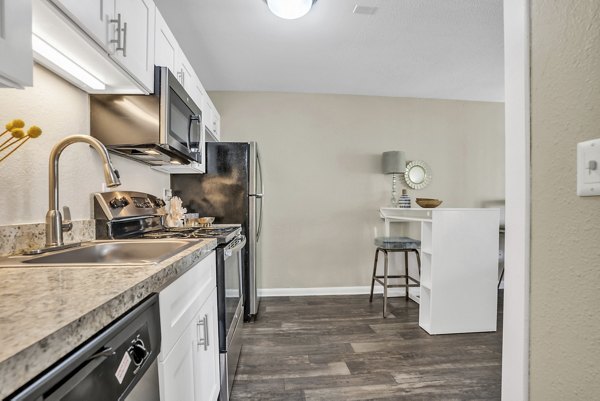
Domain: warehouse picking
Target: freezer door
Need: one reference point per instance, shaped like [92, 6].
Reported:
[256, 215]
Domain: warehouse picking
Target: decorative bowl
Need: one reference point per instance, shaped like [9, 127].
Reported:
[199, 221]
[428, 203]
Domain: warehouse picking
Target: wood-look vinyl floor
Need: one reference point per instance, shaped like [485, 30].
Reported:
[340, 348]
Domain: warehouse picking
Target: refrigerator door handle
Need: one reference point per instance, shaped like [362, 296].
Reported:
[259, 221]
[260, 195]
[262, 183]
[257, 195]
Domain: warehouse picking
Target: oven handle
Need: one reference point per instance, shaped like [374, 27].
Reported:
[240, 242]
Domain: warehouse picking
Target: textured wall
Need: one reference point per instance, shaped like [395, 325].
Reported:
[60, 110]
[565, 251]
[323, 180]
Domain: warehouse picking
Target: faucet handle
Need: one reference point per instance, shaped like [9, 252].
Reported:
[67, 224]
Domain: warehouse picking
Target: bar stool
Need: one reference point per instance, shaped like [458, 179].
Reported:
[390, 245]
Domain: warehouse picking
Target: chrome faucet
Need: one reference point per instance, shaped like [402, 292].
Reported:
[54, 222]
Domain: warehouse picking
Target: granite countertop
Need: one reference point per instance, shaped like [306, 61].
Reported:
[46, 312]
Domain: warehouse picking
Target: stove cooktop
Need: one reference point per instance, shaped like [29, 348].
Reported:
[223, 234]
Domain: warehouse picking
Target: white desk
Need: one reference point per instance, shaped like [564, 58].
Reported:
[459, 267]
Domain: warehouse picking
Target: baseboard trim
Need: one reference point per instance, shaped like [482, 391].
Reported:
[297, 292]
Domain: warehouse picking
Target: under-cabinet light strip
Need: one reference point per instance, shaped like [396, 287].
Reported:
[63, 62]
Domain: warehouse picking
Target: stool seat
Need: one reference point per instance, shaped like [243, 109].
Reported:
[387, 245]
[397, 243]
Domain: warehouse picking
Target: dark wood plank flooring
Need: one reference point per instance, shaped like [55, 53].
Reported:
[340, 348]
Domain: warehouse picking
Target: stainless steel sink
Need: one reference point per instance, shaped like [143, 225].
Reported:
[102, 253]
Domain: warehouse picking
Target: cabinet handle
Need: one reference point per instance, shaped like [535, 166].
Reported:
[181, 77]
[202, 337]
[124, 40]
[117, 41]
[206, 332]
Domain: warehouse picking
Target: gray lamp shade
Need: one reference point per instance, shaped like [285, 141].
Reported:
[393, 162]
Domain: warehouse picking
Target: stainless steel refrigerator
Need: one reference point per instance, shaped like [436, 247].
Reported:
[232, 191]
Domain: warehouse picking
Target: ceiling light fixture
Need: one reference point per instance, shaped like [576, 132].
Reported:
[290, 9]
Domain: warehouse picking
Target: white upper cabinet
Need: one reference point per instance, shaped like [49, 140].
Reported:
[212, 121]
[165, 45]
[184, 72]
[216, 123]
[16, 63]
[124, 30]
[94, 16]
[197, 92]
[167, 53]
[132, 38]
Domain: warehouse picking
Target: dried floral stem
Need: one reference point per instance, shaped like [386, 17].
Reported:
[12, 151]
[15, 140]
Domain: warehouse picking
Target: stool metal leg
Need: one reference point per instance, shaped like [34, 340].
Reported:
[406, 274]
[418, 263]
[374, 273]
[385, 283]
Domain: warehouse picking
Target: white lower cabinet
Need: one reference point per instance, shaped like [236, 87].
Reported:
[176, 372]
[188, 364]
[206, 349]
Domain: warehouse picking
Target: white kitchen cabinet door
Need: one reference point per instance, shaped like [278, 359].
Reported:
[206, 370]
[197, 93]
[93, 16]
[191, 370]
[16, 63]
[216, 123]
[213, 118]
[134, 36]
[184, 72]
[176, 373]
[165, 45]
[206, 110]
[181, 301]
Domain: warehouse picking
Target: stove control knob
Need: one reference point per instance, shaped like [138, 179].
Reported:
[116, 203]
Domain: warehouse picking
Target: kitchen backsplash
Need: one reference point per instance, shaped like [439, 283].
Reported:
[23, 237]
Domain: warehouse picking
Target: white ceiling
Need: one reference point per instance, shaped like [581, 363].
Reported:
[444, 49]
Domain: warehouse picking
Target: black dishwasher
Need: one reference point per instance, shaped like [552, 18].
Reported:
[118, 363]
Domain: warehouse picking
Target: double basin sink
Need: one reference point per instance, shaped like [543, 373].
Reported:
[105, 253]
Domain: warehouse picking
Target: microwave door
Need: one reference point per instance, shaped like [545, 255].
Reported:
[179, 125]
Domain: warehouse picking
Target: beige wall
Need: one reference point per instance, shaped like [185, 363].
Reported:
[60, 110]
[322, 161]
[565, 248]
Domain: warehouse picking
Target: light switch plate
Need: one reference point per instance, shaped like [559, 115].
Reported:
[588, 168]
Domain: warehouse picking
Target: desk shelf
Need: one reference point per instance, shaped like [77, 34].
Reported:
[459, 267]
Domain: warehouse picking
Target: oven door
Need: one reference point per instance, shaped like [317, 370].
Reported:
[234, 299]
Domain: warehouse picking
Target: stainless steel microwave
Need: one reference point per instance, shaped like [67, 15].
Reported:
[162, 129]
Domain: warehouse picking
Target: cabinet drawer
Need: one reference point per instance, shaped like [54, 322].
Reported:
[180, 301]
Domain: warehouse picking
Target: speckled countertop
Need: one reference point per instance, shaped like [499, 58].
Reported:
[45, 312]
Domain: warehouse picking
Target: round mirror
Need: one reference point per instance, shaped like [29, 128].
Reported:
[417, 174]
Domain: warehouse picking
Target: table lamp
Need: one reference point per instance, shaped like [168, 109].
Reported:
[393, 163]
